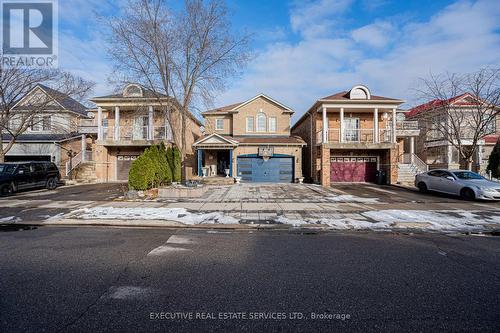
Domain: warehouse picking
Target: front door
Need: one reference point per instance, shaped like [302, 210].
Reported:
[222, 162]
[351, 129]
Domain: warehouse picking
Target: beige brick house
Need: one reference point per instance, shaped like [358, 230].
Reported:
[352, 134]
[125, 124]
[250, 140]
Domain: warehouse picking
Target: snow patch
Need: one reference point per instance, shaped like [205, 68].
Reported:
[165, 249]
[7, 219]
[179, 240]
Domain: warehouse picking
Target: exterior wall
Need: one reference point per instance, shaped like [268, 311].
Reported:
[294, 151]
[283, 117]
[210, 124]
[305, 130]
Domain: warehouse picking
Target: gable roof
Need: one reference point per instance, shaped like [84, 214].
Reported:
[234, 107]
[460, 100]
[219, 139]
[147, 94]
[66, 102]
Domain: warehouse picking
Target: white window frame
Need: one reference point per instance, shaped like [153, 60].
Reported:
[217, 128]
[270, 128]
[248, 128]
[49, 123]
[257, 127]
[36, 124]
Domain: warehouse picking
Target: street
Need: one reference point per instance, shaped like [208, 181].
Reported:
[63, 279]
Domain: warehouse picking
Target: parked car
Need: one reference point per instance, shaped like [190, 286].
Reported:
[467, 184]
[27, 175]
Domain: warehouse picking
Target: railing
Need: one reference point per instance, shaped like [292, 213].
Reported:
[136, 133]
[406, 125]
[87, 126]
[355, 135]
[72, 163]
[411, 158]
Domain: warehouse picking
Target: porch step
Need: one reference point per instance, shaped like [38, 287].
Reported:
[218, 181]
[407, 173]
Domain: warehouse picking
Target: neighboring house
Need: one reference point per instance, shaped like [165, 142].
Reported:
[125, 124]
[251, 140]
[352, 134]
[52, 134]
[435, 149]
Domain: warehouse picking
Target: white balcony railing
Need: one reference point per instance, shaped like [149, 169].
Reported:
[136, 133]
[355, 136]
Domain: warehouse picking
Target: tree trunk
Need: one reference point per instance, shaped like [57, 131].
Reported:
[469, 164]
[183, 149]
[2, 153]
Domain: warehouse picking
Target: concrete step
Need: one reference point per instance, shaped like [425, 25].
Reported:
[218, 181]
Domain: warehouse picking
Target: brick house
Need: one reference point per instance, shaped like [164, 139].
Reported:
[352, 134]
[250, 140]
[436, 150]
[125, 124]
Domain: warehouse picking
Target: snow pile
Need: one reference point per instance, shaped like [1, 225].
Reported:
[10, 219]
[351, 198]
[171, 214]
[337, 223]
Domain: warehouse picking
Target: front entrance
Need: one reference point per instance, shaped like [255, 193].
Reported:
[353, 169]
[277, 169]
[222, 162]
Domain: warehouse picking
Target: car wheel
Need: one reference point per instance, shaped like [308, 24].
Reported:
[422, 187]
[51, 184]
[467, 194]
[7, 189]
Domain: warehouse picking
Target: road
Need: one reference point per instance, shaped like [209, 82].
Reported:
[63, 279]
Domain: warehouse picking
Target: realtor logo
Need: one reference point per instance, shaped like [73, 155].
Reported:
[29, 29]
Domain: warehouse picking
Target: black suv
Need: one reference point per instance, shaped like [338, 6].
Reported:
[26, 175]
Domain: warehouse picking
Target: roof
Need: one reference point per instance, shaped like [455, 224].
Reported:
[492, 139]
[459, 100]
[270, 140]
[148, 94]
[66, 102]
[235, 106]
[41, 137]
[344, 96]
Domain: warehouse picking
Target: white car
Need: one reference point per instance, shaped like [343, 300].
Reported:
[467, 184]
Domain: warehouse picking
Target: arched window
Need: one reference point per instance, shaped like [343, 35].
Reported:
[261, 122]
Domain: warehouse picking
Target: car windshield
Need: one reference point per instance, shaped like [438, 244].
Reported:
[7, 168]
[467, 175]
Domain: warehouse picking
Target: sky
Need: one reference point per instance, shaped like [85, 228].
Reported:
[305, 50]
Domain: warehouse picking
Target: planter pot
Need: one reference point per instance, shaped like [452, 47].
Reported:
[237, 179]
[301, 180]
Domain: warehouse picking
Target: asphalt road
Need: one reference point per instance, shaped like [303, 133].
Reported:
[107, 279]
[87, 192]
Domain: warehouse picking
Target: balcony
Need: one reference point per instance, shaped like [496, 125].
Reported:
[356, 136]
[406, 128]
[139, 135]
[87, 126]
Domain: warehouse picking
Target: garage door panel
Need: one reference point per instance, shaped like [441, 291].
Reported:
[274, 170]
[353, 169]
[123, 165]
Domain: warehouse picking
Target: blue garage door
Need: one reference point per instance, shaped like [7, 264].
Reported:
[275, 170]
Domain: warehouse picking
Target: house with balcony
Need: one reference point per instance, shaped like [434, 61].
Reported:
[123, 125]
[352, 134]
[437, 119]
[250, 140]
[44, 127]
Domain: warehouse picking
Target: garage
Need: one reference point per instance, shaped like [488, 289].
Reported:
[28, 158]
[276, 169]
[353, 169]
[123, 164]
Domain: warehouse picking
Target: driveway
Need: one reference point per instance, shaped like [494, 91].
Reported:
[87, 192]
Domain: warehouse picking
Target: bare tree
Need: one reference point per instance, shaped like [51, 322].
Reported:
[187, 55]
[463, 108]
[15, 83]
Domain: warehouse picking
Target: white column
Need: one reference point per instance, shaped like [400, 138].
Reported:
[117, 123]
[412, 148]
[99, 123]
[449, 154]
[376, 137]
[150, 123]
[84, 148]
[393, 125]
[479, 156]
[341, 124]
[325, 126]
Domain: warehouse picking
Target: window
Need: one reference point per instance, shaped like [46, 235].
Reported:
[219, 124]
[272, 124]
[36, 124]
[46, 123]
[250, 124]
[261, 122]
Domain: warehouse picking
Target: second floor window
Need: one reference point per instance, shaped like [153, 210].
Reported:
[219, 124]
[250, 124]
[46, 123]
[261, 122]
[272, 124]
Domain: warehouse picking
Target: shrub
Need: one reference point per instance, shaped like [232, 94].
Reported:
[177, 169]
[494, 161]
[150, 170]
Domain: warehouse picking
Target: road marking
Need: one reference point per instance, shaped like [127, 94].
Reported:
[166, 249]
[179, 240]
[218, 232]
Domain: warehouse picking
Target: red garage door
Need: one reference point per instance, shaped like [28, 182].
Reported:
[353, 169]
